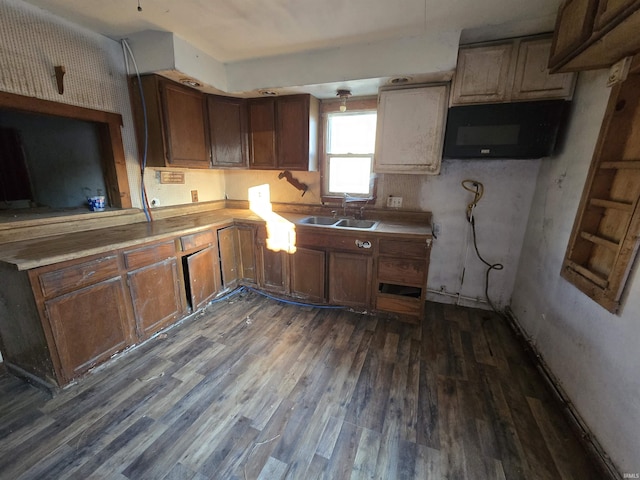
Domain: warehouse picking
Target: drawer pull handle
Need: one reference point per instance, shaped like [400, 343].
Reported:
[361, 244]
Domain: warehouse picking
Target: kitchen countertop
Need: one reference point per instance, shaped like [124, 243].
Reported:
[29, 254]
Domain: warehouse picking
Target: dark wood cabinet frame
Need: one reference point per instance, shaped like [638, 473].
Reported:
[109, 129]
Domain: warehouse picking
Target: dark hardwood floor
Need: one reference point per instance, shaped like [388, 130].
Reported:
[253, 388]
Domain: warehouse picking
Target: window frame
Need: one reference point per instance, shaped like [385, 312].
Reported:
[357, 104]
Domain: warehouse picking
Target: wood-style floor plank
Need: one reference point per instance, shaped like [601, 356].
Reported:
[254, 388]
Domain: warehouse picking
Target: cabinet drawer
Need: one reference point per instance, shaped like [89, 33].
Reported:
[74, 277]
[402, 248]
[195, 240]
[148, 255]
[401, 271]
[349, 243]
[398, 304]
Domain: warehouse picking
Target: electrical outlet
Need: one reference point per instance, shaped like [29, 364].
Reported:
[394, 202]
[194, 196]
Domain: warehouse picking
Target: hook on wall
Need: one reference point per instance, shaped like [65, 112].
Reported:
[293, 181]
[60, 71]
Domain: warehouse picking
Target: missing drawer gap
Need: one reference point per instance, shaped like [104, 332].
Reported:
[401, 290]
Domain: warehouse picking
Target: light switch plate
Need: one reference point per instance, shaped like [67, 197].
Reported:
[394, 202]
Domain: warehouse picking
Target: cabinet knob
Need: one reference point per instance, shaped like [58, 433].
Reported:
[363, 244]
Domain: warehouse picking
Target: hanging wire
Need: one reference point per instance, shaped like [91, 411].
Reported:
[477, 188]
[143, 162]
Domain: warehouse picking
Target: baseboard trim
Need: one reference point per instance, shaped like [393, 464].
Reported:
[588, 440]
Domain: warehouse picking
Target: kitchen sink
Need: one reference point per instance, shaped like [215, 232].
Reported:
[352, 223]
[319, 220]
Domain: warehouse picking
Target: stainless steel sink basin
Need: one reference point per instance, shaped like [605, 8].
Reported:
[319, 220]
[352, 223]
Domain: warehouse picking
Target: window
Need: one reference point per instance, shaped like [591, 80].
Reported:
[606, 232]
[349, 146]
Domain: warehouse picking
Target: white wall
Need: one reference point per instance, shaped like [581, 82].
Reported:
[593, 353]
[501, 219]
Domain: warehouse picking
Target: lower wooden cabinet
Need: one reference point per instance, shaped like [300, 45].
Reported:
[350, 279]
[155, 292]
[200, 276]
[308, 280]
[154, 286]
[236, 244]
[89, 325]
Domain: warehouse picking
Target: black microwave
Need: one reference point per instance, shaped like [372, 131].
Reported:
[504, 130]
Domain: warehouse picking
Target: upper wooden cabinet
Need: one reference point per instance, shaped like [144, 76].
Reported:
[593, 34]
[508, 71]
[228, 131]
[410, 130]
[176, 123]
[283, 132]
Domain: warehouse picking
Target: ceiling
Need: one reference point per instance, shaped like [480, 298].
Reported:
[238, 30]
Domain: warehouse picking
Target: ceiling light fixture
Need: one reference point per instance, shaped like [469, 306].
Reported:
[344, 95]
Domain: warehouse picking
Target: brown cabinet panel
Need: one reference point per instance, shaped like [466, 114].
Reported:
[401, 248]
[155, 292]
[273, 270]
[176, 123]
[247, 243]
[203, 282]
[308, 279]
[350, 279]
[185, 114]
[89, 325]
[611, 12]
[573, 27]
[402, 271]
[228, 131]
[57, 282]
[229, 249]
[262, 133]
[348, 242]
[293, 132]
[197, 240]
[149, 254]
[593, 34]
[283, 132]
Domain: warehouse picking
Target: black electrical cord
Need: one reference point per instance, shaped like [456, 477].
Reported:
[490, 267]
[477, 188]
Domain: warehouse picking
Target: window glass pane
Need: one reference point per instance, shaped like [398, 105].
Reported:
[349, 174]
[351, 132]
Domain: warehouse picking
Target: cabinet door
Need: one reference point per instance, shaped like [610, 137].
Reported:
[185, 132]
[483, 74]
[350, 279]
[411, 129]
[229, 256]
[574, 25]
[155, 292]
[247, 243]
[227, 131]
[273, 270]
[532, 79]
[611, 11]
[262, 133]
[308, 274]
[292, 129]
[89, 325]
[202, 281]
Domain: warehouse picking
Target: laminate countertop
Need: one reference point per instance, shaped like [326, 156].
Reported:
[29, 254]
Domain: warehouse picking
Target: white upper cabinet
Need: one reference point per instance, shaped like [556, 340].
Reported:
[508, 71]
[410, 129]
